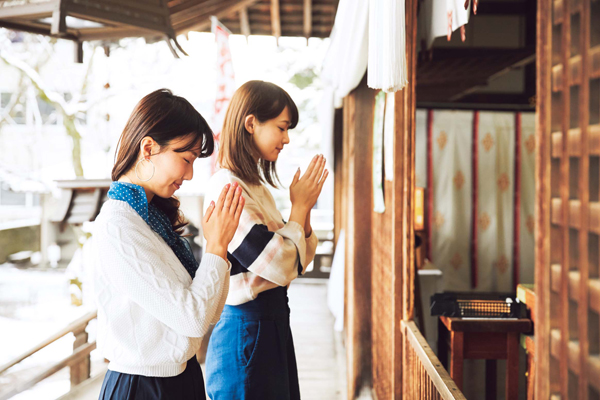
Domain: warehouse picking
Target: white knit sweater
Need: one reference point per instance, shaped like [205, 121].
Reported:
[151, 314]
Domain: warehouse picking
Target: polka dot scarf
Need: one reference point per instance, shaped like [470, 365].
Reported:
[135, 196]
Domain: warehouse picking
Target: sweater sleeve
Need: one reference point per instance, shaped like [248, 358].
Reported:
[224, 293]
[278, 256]
[311, 247]
[133, 264]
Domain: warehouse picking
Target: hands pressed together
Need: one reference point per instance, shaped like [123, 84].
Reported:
[222, 219]
[305, 190]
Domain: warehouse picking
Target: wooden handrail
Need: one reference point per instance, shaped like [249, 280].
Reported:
[75, 326]
[77, 355]
[437, 375]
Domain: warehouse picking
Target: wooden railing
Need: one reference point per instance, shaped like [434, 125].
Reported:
[79, 361]
[424, 377]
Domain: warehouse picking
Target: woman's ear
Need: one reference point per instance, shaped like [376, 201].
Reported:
[148, 147]
[249, 123]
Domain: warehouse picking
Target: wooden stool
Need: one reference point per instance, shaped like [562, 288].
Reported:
[488, 339]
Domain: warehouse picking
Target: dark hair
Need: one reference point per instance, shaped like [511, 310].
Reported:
[237, 153]
[164, 117]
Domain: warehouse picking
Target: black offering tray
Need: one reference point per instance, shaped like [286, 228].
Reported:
[477, 305]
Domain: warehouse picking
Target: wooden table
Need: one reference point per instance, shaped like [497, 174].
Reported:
[488, 339]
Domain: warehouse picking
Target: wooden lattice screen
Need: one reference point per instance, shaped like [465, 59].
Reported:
[568, 204]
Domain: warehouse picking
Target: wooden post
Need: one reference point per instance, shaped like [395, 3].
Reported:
[358, 126]
[543, 199]
[338, 173]
[80, 371]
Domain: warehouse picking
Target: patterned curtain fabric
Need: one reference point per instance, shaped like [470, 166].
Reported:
[478, 169]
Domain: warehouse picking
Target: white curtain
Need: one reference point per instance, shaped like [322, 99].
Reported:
[495, 202]
[527, 219]
[452, 219]
[452, 188]
[387, 45]
[421, 149]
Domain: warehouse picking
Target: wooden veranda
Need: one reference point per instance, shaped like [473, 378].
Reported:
[385, 349]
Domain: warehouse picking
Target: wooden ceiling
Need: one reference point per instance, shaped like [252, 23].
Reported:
[82, 20]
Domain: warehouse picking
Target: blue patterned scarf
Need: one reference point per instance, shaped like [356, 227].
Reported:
[135, 196]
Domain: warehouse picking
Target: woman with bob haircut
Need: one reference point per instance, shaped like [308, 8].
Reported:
[251, 352]
[154, 301]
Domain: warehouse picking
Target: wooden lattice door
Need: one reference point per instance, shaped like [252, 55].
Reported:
[568, 200]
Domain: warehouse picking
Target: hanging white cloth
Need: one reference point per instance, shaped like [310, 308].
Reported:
[387, 45]
[346, 60]
[344, 66]
[438, 17]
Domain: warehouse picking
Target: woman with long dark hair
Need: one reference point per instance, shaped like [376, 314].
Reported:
[154, 301]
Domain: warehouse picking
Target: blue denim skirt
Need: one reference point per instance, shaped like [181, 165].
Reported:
[251, 352]
[187, 385]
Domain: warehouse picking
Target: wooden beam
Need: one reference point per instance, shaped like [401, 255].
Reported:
[307, 18]
[502, 8]
[29, 11]
[275, 19]
[59, 15]
[244, 22]
[78, 52]
[201, 21]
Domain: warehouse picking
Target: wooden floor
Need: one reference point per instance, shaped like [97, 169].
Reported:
[320, 355]
[319, 352]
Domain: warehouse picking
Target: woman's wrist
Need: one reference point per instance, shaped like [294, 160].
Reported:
[217, 250]
[298, 214]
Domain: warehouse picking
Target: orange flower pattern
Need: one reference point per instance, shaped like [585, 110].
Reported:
[456, 261]
[438, 220]
[530, 223]
[487, 142]
[484, 221]
[459, 180]
[442, 140]
[501, 264]
[530, 144]
[503, 182]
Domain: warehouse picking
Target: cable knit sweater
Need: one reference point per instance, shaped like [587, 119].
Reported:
[151, 314]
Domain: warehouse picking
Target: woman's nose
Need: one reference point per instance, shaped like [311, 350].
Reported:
[189, 173]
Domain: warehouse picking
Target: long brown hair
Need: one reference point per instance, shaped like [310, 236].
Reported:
[164, 117]
[237, 152]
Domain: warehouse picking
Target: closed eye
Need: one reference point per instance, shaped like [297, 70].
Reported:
[185, 159]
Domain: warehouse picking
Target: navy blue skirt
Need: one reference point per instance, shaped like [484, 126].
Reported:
[251, 351]
[187, 385]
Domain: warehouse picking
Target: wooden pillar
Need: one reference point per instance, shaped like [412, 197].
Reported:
[542, 202]
[358, 144]
[404, 185]
[338, 173]
[80, 371]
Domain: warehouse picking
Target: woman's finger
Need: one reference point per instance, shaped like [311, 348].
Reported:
[209, 211]
[229, 196]
[315, 172]
[235, 201]
[296, 178]
[321, 168]
[239, 209]
[325, 174]
[222, 196]
[311, 166]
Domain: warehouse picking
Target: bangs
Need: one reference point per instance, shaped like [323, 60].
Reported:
[198, 140]
[286, 100]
